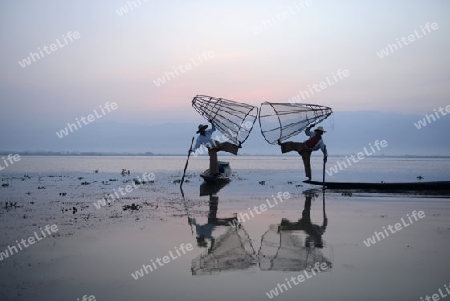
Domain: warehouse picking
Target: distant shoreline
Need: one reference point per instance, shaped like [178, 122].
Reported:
[148, 154]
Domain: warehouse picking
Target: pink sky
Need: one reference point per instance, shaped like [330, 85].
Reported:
[118, 58]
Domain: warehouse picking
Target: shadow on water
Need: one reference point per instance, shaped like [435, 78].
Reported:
[231, 250]
[282, 247]
[287, 246]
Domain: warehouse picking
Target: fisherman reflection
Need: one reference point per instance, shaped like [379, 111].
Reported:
[283, 248]
[205, 232]
[231, 249]
[314, 232]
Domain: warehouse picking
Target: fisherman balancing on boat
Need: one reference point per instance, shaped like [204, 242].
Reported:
[205, 140]
[305, 148]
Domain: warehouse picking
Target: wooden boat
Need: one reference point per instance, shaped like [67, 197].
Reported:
[405, 186]
[223, 176]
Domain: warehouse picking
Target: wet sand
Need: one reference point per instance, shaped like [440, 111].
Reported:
[95, 251]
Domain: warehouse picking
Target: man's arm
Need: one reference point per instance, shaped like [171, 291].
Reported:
[308, 130]
[323, 147]
[197, 145]
[213, 127]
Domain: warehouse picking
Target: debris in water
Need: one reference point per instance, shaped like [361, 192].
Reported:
[131, 207]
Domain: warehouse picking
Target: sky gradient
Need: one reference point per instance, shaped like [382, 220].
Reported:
[118, 58]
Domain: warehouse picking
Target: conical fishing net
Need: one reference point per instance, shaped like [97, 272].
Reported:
[285, 251]
[280, 121]
[231, 118]
[231, 251]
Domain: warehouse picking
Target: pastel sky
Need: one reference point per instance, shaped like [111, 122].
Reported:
[118, 58]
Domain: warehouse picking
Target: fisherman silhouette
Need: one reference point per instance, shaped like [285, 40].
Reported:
[204, 139]
[305, 148]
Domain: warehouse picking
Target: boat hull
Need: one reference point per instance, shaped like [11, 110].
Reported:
[406, 186]
[224, 175]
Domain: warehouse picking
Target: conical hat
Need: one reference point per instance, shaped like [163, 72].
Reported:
[320, 129]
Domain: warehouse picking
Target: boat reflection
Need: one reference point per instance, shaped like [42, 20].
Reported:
[288, 246]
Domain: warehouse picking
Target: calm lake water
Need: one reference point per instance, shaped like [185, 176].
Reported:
[370, 169]
[101, 249]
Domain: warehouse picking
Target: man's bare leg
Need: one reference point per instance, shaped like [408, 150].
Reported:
[213, 161]
[306, 156]
[291, 146]
[227, 147]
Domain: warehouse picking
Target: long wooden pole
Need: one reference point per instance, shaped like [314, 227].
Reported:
[185, 167]
[323, 177]
[187, 211]
[181, 184]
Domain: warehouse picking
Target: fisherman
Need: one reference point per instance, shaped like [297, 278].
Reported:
[305, 148]
[204, 139]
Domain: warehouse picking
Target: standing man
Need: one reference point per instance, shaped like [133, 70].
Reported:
[204, 140]
[305, 148]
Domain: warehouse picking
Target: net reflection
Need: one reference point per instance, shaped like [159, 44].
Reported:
[287, 246]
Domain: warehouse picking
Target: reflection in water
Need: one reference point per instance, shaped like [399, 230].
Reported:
[288, 246]
[282, 248]
[232, 250]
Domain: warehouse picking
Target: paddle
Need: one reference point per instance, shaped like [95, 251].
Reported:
[181, 184]
[324, 162]
[185, 167]
[187, 212]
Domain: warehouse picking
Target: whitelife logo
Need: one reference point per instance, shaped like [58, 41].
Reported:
[391, 48]
[166, 259]
[11, 250]
[243, 217]
[318, 267]
[129, 188]
[437, 297]
[90, 118]
[341, 164]
[86, 298]
[371, 240]
[11, 159]
[48, 50]
[169, 75]
[280, 17]
[430, 117]
[131, 5]
[341, 74]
